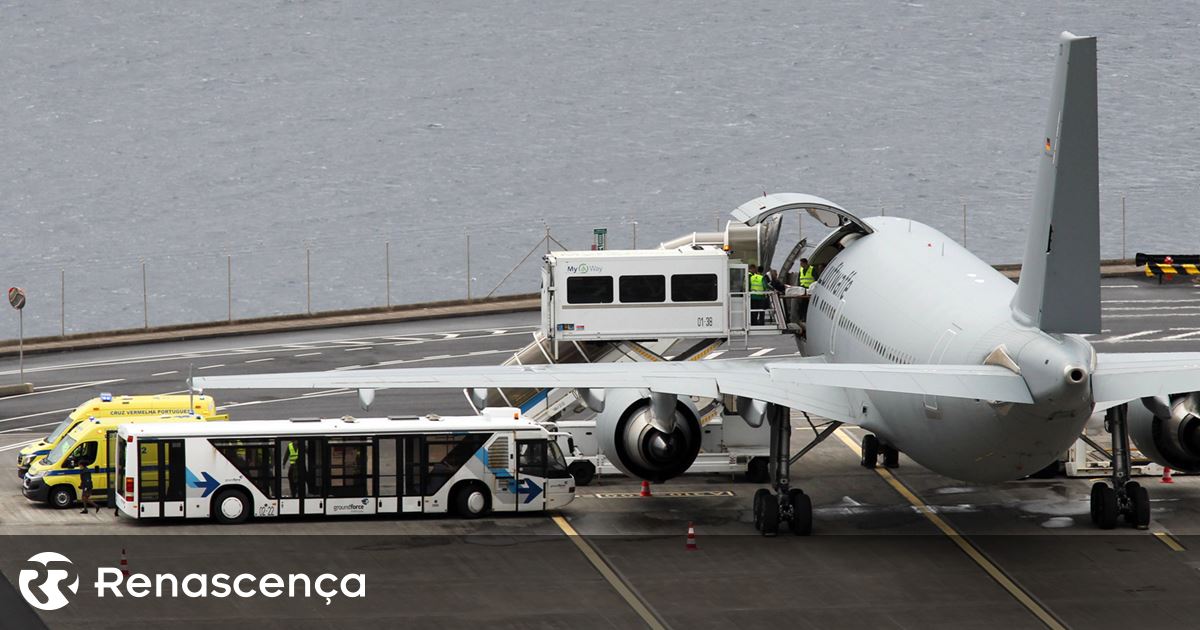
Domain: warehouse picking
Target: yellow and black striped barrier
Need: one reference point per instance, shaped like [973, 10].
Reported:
[1167, 266]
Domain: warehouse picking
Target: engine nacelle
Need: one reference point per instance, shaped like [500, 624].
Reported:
[1168, 430]
[629, 439]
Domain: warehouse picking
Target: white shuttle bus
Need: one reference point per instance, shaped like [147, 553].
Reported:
[265, 468]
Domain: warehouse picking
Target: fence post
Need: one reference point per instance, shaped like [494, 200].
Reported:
[468, 267]
[145, 298]
[229, 284]
[63, 301]
[308, 280]
[387, 263]
[635, 234]
[1122, 226]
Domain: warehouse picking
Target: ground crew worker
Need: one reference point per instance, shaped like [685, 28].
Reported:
[85, 487]
[758, 301]
[293, 458]
[805, 275]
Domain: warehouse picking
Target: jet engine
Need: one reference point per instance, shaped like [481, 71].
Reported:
[1167, 430]
[652, 437]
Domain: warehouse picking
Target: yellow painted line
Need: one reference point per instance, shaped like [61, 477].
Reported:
[967, 547]
[1170, 541]
[1191, 269]
[607, 572]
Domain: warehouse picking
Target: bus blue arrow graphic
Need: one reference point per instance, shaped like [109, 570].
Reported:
[209, 484]
[528, 487]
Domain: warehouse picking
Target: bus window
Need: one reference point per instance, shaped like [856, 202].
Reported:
[590, 290]
[388, 467]
[694, 287]
[643, 289]
[448, 453]
[531, 458]
[556, 464]
[254, 458]
[350, 467]
[414, 464]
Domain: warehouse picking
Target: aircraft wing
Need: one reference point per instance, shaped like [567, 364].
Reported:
[1126, 376]
[815, 387]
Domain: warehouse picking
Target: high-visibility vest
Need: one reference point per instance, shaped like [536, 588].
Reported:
[293, 453]
[806, 276]
[756, 282]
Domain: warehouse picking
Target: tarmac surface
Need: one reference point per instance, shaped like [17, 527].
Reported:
[902, 549]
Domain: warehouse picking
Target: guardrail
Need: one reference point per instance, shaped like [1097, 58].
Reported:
[1167, 266]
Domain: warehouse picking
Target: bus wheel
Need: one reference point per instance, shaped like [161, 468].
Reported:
[472, 500]
[582, 471]
[230, 507]
[61, 497]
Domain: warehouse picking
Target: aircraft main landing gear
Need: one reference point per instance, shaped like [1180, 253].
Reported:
[1124, 497]
[786, 504]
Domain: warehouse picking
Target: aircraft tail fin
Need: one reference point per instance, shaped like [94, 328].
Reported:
[1059, 289]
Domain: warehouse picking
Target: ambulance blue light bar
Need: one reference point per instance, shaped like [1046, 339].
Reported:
[106, 397]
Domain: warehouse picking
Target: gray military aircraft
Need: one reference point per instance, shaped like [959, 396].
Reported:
[969, 374]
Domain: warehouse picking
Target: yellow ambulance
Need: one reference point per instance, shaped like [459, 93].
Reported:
[123, 408]
[55, 479]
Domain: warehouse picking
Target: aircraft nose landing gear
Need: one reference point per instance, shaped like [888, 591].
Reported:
[1124, 497]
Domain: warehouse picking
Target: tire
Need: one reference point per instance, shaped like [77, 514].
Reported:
[61, 497]
[1139, 499]
[801, 520]
[760, 501]
[1104, 505]
[770, 517]
[230, 507]
[472, 500]
[583, 472]
[758, 470]
[891, 457]
[870, 451]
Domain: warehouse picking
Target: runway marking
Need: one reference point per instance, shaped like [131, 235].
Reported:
[1119, 286]
[165, 373]
[1170, 541]
[260, 360]
[359, 348]
[1018, 593]
[1142, 309]
[608, 573]
[209, 367]
[18, 445]
[1179, 336]
[1144, 315]
[264, 402]
[1120, 338]
[759, 353]
[65, 388]
[30, 428]
[449, 335]
[713, 355]
[671, 495]
[326, 392]
[1146, 301]
[307, 354]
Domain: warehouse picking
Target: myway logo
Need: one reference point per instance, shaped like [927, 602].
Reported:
[47, 578]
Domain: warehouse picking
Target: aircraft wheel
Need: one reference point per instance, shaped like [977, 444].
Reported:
[1139, 499]
[1104, 505]
[770, 516]
[870, 451]
[760, 501]
[801, 520]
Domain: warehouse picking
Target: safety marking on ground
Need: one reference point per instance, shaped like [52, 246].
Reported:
[260, 360]
[306, 354]
[1018, 593]
[675, 494]
[619, 585]
[1170, 541]
[165, 373]
[761, 352]
[209, 367]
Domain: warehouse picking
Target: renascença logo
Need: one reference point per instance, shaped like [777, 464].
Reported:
[48, 581]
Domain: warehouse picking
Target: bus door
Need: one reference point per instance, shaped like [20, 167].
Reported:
[350, 482]
[162, 483]
[113, 472]
[531, 475]
[301, 478]
[500, 461]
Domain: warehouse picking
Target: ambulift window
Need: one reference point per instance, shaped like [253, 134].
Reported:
[694, 287]
[590, 290]
[643, 289]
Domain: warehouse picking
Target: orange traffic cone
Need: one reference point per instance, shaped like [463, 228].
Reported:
[1166, 478]
[124, 563]
[691, 539]
[646, 489]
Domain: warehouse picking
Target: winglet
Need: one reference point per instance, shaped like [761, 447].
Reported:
[1059, 290]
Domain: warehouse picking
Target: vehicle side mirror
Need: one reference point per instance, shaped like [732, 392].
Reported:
[69, 463]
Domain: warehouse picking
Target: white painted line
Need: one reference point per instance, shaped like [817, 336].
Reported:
[760, 352]
[307, 354]
[449, 335]
[446, 356]
[18, 445]
[63, 389]
[34, 415]
[1119, 286]
[713, 355]
[360, 348]
[1147, 301]
[165, 373]
[1151, 308]
[1148, 315]
[436, 357]
[499, 332]
[266, 402]
[30, 428]
[260, 360]
[1135, 335]
[324, 392]
[346, 367]
[1179, 336]
[209, 367]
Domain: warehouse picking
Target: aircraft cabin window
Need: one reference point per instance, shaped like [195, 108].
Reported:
[643, 289]
[590, 290]
[694, 287]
